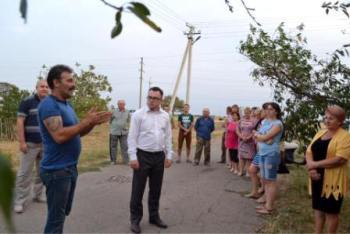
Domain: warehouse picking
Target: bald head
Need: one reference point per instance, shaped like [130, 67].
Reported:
[121, 105]
[206, 112]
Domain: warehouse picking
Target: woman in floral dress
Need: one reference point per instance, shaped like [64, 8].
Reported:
[247, 148]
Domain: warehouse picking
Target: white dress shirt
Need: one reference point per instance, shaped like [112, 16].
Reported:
[150, 131]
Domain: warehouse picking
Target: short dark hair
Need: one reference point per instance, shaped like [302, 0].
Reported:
[156, 89]
[186, 104]
[56, 72]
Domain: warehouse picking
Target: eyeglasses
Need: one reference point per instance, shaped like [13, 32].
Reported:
[153, 98]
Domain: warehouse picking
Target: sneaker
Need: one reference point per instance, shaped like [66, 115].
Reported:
[39, 199]
[113, 163]
[207, 164]
[18, 209]
[195, 164]
[188, 161]
[178, 161]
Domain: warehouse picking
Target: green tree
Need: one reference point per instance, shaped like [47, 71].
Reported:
[303, 84]
[178, 105]
[90, 89]
[10, 101]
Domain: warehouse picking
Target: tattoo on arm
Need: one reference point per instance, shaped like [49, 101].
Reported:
[53, 123]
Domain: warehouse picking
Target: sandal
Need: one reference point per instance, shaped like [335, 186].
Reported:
[252, 196]
[264, 211]
[260, 201]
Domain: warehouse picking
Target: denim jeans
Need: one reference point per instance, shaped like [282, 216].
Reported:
[60, 187]
[269, 165]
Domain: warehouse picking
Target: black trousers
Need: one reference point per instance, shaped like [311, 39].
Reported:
[152, 167]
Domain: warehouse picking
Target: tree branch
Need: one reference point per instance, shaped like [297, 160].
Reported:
[111, 5]
[248, 9]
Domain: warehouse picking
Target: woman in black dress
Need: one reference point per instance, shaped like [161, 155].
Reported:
[326, 163]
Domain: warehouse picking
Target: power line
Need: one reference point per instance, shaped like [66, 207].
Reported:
[169, 11]
[164, 16]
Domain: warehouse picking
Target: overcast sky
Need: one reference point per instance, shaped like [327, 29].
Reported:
[66, 31]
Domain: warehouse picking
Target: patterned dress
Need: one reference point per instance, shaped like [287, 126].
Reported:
[246, 150]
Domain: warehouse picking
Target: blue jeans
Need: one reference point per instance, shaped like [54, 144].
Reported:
[60, 187]
[269, 165]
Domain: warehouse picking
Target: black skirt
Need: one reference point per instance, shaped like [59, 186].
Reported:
[327, 205]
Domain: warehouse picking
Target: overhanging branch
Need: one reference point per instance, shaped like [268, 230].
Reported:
[111, 5]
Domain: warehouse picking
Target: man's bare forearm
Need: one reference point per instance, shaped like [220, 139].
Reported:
[86, 131]
[63, 134]
[67, 133]
[20, 130]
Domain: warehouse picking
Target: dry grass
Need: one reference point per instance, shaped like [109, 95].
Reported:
[95, 148]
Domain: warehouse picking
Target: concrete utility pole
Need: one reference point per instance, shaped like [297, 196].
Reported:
[188, 52]
[150, 83]
[141, 78]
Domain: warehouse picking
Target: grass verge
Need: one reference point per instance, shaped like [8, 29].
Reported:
[295, 214]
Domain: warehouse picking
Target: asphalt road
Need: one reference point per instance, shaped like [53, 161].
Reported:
[194, 200]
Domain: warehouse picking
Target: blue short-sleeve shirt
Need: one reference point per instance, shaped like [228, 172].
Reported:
[58, 156]
[266, 126]
[28, 109]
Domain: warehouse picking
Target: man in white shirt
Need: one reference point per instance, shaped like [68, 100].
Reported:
[150, 150]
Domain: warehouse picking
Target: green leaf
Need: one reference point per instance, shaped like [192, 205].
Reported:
[118, 16]
[116, 30]
[23, 7]
[346, 13]
[140, 8]
[144, 18]
[7, 182]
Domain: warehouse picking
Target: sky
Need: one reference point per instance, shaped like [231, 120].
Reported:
[66, 32]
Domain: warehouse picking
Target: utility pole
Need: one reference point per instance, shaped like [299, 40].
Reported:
[141, 78]
[188, 52]
[190, 34]
[150, 83]
[172, 101]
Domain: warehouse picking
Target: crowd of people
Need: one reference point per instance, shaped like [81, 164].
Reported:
[49, 135]
[253, 143]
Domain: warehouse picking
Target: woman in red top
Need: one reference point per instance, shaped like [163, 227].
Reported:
[231, 141]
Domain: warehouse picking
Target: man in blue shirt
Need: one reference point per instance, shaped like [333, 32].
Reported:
[204, 126]
[61, 132]
[30, 146]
